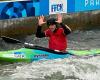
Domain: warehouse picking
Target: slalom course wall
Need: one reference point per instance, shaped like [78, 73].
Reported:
[82, 5]
[19, 9]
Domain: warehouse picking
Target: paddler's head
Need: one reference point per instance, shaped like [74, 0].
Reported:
[52, 24]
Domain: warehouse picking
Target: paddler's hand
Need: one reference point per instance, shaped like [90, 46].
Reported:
[59, 18]
[41, 20]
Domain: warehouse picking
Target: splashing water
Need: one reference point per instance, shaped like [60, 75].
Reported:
[58, 69]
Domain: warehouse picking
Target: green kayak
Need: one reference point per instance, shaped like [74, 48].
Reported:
[40, 53]
[30, 52]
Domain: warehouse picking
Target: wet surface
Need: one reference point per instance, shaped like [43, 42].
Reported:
[60, 69]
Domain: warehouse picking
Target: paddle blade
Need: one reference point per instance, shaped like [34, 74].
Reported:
[10, 40]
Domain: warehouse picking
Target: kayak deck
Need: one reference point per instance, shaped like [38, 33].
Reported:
[85, 52]
[29, 55]
[37, 53]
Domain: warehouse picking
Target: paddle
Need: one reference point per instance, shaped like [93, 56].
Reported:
[10, 40]
[28, 45]
[15, 41]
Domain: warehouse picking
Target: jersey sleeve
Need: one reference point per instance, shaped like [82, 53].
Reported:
[66, 30]
[39, 32]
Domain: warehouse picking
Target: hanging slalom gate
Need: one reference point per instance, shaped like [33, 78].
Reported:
[18, 9]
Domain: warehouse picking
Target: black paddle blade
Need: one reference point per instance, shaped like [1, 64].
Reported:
[10, 40]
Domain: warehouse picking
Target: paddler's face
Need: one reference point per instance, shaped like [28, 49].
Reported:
[52, 27]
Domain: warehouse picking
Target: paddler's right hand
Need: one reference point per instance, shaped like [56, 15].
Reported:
[41, 20]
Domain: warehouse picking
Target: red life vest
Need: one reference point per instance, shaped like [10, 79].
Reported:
[57, 40]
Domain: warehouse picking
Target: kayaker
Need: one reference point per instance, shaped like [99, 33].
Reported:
[57, 32]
